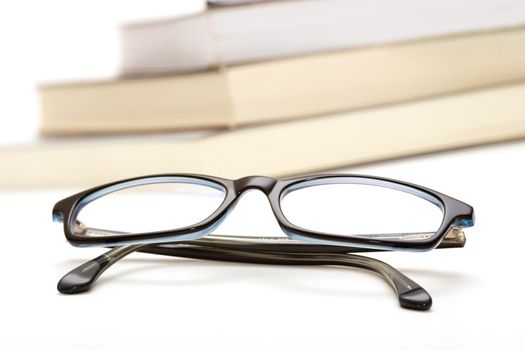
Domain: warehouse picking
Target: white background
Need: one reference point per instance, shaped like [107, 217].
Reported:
[155, 302]
[61, 40]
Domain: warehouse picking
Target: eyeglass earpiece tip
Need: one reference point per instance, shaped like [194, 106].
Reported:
[67, 288]
[80, 279]
[416, 299]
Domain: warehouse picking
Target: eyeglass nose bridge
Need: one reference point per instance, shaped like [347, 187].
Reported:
[263, 183]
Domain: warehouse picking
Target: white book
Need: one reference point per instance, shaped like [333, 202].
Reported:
[226, 35]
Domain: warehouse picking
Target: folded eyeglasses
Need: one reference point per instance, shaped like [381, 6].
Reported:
[326, 219]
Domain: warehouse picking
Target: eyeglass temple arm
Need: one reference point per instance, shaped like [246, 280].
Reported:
[409, 293]
[82, 278]
[455, 238]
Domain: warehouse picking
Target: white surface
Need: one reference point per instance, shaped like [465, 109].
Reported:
[178, 303]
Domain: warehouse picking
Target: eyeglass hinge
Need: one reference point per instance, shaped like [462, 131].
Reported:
[455, 237]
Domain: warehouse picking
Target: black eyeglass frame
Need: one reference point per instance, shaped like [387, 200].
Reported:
[456, 214]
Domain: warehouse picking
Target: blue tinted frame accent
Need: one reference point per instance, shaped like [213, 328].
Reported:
[58, 218]
[464, 223]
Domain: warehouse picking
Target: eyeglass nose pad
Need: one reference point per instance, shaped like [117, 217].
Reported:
[263, 183]
[250, 214]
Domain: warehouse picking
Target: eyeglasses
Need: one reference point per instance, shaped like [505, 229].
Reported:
[326, 218]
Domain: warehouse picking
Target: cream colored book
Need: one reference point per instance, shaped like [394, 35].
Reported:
[287, 89]
[280, 149]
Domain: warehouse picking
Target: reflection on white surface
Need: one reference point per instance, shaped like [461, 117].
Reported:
[153, 207]
[60, 40]
[357, 209]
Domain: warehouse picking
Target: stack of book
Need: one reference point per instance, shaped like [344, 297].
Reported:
[286, 87]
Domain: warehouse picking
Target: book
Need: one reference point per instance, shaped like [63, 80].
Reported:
[278, 149]
[263, 30]
[288, 88]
